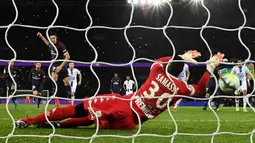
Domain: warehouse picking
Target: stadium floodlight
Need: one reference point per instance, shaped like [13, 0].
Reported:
[150, 1]
[157, 2]
[142, 1]
[135, 1]
[196, 1]
[129, 1]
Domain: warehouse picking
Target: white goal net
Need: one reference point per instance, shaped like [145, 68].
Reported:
[175, 131]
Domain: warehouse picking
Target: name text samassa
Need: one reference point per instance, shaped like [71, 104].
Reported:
[167, 83]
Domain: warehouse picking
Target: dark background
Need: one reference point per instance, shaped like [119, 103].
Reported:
[111, 45]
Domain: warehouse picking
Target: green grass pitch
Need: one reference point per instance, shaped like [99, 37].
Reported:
[189, 120]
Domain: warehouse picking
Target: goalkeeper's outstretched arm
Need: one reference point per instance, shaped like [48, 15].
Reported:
[174, 68]
[197, 89]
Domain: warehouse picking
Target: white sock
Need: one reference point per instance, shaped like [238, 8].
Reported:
[244, 102]
[177, 103]
[72, 99]
[237, 103]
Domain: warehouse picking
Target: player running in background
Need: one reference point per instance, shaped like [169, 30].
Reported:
[241, 71]
[16, 74]
[129, 85]
[183, 76]
[211, 88]
[73, 73]
[37, 78]
[148, 102]
[59, 69]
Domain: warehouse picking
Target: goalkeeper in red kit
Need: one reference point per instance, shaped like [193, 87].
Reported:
[113, 111]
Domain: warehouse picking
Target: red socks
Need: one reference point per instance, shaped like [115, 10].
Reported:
[53, 115]
[74, 122]
[57, 103]
[70, 103]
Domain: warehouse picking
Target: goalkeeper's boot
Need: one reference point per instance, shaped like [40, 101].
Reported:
[174, 109]
[21, 123]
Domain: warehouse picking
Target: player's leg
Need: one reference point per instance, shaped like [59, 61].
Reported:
[11, 91]
[237, 104]
[56, 114]
[217, 100]
[68, 89]
[35, 92]
[73, 89]
[108, 118]
[209, 91]
[75, 122]
[206, 101]
[177, 104]
[27, 101]
[40, 90]
[64, 75]
[39, 100]
[55, 78]
[244, 91]
[217, 103]
[237, 93]
[245, 100]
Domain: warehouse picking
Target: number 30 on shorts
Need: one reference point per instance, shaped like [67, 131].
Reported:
[163, 96]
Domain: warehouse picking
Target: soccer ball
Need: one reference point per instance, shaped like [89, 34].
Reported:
[228, 83]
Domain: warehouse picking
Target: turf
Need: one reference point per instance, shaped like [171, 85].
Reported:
[188, 119]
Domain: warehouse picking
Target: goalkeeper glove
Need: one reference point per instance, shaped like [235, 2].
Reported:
[190, 55]
[215, 61]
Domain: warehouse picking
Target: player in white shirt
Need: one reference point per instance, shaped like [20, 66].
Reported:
[241, 71]
[73, 73]
[184, 76]
[129, 85]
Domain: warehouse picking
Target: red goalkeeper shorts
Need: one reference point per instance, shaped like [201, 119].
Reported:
[112, 113]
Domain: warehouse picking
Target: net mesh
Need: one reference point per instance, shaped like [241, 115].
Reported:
[134, 59]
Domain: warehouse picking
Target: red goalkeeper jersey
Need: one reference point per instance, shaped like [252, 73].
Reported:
[153, 96]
